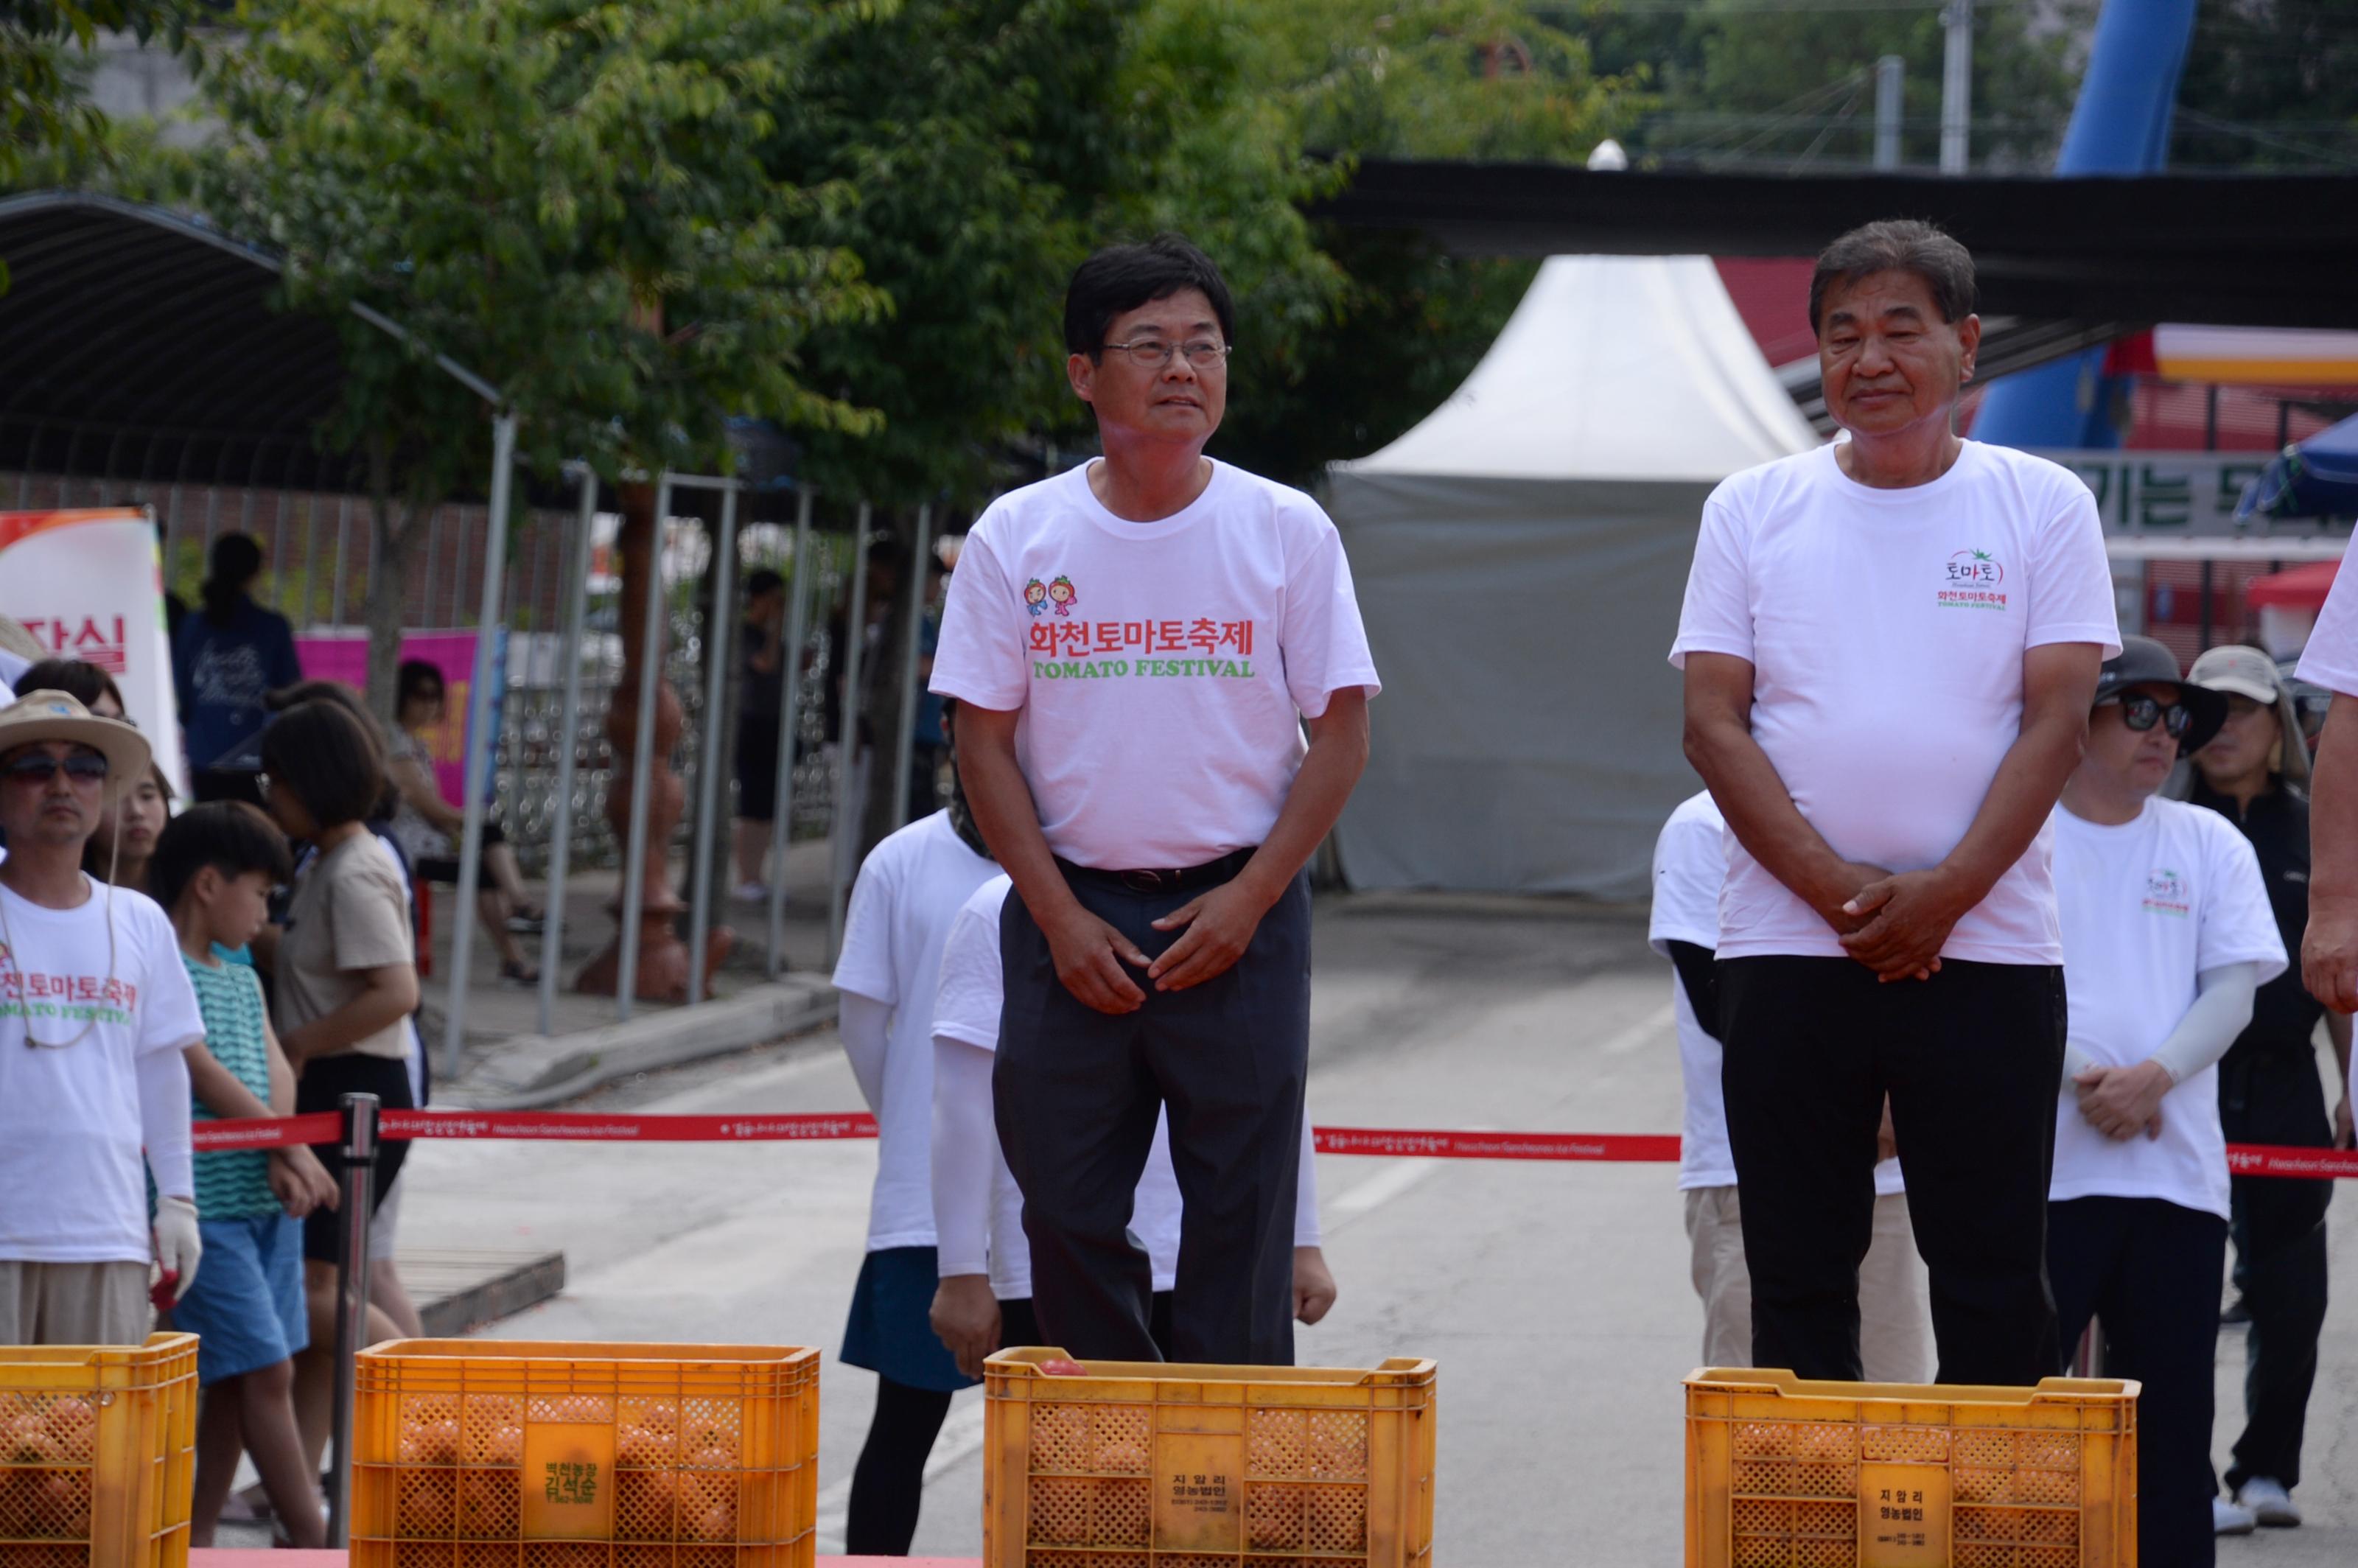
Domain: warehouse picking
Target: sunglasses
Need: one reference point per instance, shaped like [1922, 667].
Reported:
[41, 767]
[2141, 713]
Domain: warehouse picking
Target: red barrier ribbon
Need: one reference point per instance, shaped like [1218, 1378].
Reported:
[595, 1127]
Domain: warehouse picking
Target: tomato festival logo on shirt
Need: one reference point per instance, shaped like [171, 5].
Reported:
[76, 997]
[1057, 591]
[1972, 581]
[1089, 650]
[2164, 893]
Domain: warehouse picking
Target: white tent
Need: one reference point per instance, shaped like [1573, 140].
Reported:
[1520, 558]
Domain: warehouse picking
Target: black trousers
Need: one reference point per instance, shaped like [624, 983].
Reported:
[2148, 1270]
[1075, 1093]
[2272, 1096]
[1973, 1059]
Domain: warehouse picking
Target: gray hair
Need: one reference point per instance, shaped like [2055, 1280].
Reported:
[1898, 245]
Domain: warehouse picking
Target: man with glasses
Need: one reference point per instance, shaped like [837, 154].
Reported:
[1136, 646]
[96, 1009]
[1889, 644]
[2168, 936]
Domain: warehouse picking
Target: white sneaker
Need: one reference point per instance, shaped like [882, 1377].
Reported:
[2231, 1518]
[2268, 1502]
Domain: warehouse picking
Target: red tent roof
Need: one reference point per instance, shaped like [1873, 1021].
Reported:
[2296, 588]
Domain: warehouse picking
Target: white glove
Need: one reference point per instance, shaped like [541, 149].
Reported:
[177, 1247]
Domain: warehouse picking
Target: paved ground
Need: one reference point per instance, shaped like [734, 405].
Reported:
[1554, 1297]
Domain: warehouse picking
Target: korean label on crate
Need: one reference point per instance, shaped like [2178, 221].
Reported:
[1903, 1516]
[568, 1481]
[1198, 1492]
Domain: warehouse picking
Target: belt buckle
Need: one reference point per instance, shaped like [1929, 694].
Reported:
[1144, 882]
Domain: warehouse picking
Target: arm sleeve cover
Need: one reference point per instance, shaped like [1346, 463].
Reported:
[2222, 1007]
[164, 1113]
[964, 1143]
[863, 1024]
[1306, 1190]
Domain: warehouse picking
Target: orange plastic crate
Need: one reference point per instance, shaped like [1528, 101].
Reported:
[1786, 1472]
[1148, 1464]
[97, 1453]
[476, 1454]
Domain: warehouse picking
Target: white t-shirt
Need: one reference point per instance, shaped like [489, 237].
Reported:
[71, 1166]
[910, 888]
[2146, 907]
[973, 990]
[2331, 657]
[1885, 628]
[1689, 866]
[1161, 669]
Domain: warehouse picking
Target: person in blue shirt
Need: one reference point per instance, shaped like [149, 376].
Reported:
[226, 658]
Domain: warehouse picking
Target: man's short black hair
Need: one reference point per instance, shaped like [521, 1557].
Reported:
[762, 580]
[1898, 245]
[1123, 277]
[229, 836]
[327, 760]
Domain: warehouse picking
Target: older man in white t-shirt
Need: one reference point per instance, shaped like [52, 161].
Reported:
[2329, 951]
[1889, 644]
[1137, 646]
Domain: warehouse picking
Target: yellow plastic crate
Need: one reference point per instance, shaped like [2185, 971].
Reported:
[97, 1453]
[1786, 1472]
[476, 1454]
[1147, 1465]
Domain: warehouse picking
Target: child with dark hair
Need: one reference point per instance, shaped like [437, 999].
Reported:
[346, 972]
[212, 871]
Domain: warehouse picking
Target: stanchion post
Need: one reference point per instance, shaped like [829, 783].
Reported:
[709, 765]
[560, 832]
[356, 1184]
[782, 808]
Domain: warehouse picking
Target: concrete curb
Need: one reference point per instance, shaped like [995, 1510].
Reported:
[530, 1071]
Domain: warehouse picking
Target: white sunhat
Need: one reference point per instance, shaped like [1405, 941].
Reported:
[2249, 672]
[38, 715]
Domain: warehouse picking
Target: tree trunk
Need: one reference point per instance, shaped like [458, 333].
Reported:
[393, 541]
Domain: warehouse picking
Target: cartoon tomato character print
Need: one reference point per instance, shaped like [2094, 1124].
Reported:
[1063, 594]
[1035, 596]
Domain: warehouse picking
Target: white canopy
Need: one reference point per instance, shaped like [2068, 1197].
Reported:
[1520, 558]
[1612, 367]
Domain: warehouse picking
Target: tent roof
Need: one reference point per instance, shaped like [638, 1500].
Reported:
[1612, 367]
[137, 344]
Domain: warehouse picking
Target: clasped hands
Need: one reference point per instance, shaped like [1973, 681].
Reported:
[1892, 922]
[2121, 1102]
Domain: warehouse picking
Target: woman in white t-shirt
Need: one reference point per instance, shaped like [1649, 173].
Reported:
[2167, 934]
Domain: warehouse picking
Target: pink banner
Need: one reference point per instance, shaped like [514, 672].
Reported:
[344, 657]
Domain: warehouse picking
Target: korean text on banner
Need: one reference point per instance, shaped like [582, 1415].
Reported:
[89, 584]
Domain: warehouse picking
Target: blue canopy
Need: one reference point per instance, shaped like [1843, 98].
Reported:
[2315, 478]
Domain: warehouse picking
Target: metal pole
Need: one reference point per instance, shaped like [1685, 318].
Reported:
[1956, 86]
[642, 761]
[343, 543]
[311, 550]
[1891, 77]
[560, 832]
[709, 765]
[479, 742]
[855, 637]
[782, 806]
[433, 548]
[904, 754]
[357, 1181]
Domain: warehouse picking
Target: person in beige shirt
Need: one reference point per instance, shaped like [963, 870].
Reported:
[347, 980]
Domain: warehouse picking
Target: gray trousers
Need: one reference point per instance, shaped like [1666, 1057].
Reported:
[1075, 1093]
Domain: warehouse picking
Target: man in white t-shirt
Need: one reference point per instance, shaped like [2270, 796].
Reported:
[1895, 1321]
[2329, 950]
[1889, 644]
[2168, 934]
[1138, 645]
[985, 1298]
[95, 1009]
[909, 890]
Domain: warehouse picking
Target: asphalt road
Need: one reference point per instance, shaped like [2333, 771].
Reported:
[1554, 1297]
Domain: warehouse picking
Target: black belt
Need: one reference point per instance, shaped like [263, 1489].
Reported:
[1211, 873]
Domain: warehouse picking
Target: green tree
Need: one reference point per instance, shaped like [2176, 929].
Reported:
[42, 107]
[565, 196]
[2270, 84]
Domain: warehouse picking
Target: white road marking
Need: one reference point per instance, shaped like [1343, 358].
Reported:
[1377, 1190]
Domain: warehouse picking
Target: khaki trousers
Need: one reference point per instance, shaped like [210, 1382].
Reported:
[1895, 1330]
[74, 1303]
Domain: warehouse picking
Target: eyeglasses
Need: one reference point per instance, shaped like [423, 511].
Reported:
[41, 767]
[2141, 713]
[1153, 353]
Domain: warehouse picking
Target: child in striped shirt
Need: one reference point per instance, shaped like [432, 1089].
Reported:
[213, 869]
